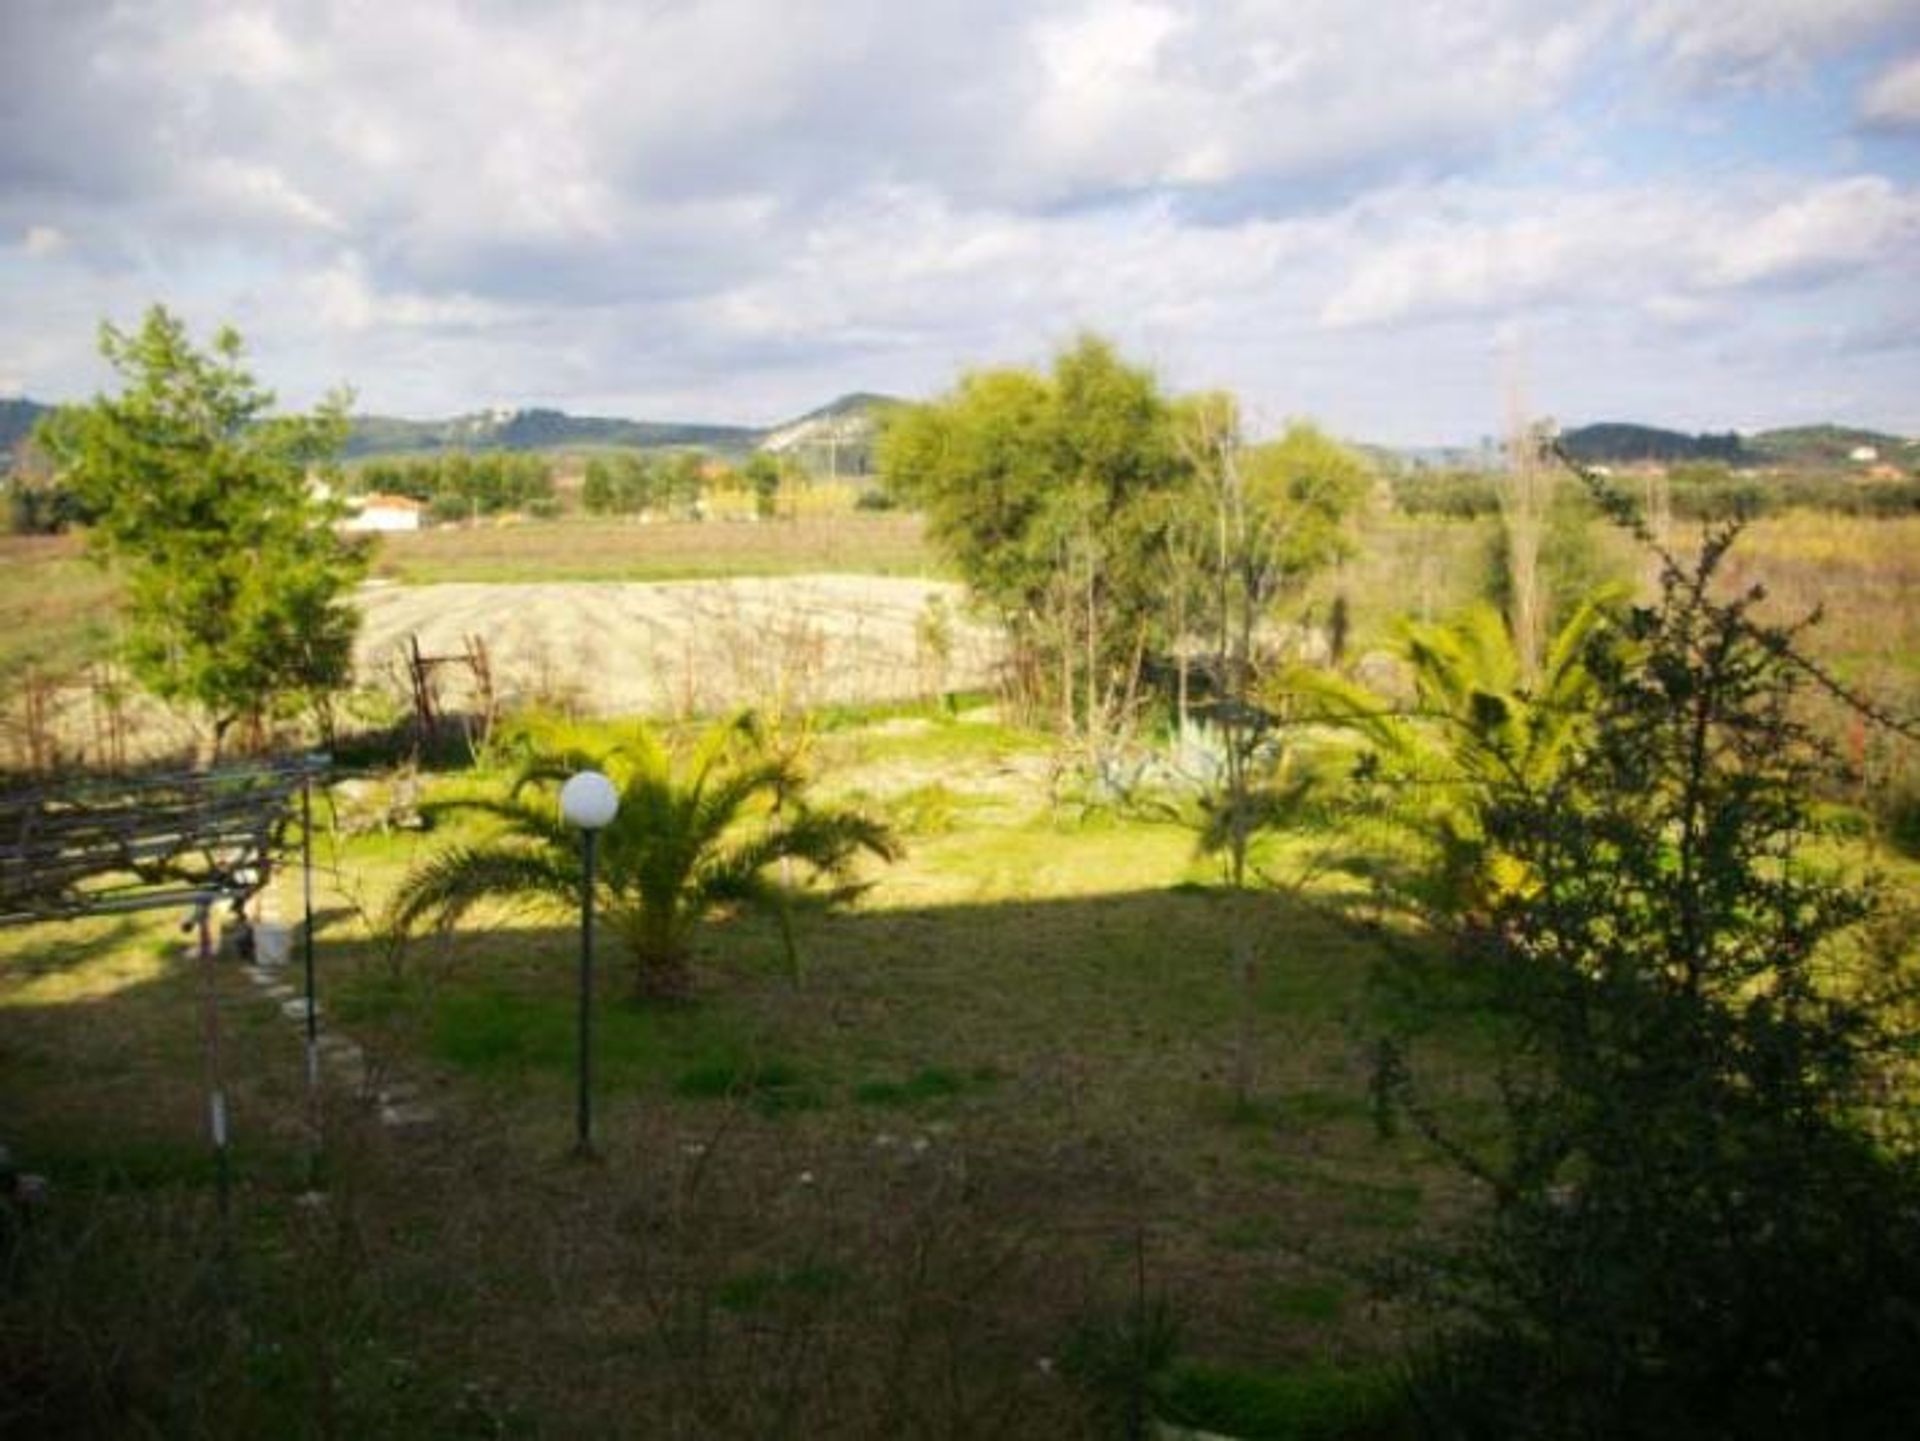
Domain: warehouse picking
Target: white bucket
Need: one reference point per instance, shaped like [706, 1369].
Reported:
[272, 943]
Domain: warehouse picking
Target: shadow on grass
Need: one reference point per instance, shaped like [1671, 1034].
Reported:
[901, 1008]
[939, 1144]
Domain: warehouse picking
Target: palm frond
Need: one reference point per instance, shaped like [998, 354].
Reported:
[697, 827]
[826, 843]
[449, 884]
[535, 820]
[1339, 701]
[732, 794]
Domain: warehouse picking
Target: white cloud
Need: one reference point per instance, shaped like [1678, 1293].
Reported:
[1649, 247]
[248, 191]
[1836, 226]
[244, 45]
[1754, 41]
[1892, 100]
[341, 298]
[755, 201]
[1281, 92]
[1682, 312]
[904, 264]
[42, 241]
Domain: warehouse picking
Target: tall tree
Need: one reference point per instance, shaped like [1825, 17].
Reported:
[1043, 489]
[762, 472]
[237, 584]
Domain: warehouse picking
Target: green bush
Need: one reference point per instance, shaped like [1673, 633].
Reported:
[1690, 1230]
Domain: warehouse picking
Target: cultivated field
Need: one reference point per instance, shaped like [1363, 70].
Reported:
[56, 608]
[691, 647]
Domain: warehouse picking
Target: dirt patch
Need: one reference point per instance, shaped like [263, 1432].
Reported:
[680, 647]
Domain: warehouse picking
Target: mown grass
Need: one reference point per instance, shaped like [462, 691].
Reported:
[999, 1076]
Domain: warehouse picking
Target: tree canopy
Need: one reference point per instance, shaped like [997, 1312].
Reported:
[1086, 507]
[236, 582]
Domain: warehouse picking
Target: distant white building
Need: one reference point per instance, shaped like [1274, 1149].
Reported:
[1863, 455]
[384, 513]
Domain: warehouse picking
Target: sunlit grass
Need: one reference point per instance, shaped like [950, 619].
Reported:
[616, 548]
[69, 962]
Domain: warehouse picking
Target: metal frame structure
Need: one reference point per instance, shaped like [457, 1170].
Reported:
[98, 846]
[184, 839]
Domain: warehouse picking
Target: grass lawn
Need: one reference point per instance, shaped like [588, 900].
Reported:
[990, 1126]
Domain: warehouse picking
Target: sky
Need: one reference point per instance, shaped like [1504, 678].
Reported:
[1404, 220]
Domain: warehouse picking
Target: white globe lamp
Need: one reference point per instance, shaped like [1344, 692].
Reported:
[589, 801]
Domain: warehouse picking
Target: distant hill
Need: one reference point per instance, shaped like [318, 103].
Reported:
[1826, 446]
[837, 439]
[847, 423]
[535, 430]
[1804, 447]
[1617, 442]
[17, 419]
[839, 435]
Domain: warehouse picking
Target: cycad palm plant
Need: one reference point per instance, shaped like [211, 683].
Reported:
[1474, 725]
[697, 830]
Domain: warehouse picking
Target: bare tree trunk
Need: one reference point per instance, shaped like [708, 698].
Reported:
[1659, 526]
[1526, 494]
[1066, 675]
[1181, 664]
[1094, 726]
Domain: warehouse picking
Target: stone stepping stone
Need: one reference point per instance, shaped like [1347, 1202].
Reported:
[408, 1115]
[346, 1060]
[296, 1009]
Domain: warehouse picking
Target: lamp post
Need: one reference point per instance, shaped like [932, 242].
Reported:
[589, 802]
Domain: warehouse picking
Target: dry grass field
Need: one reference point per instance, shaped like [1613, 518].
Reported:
[582, 548]
[691, 647]
[56, 606]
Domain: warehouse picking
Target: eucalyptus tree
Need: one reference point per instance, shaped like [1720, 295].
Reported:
[1045, 490]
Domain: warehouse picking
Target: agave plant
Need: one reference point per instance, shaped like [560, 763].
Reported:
[698, 829]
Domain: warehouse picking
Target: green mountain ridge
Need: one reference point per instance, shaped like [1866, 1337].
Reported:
[534, 429]
[546, 429]
[1810, 446]
[17, 420]
[850, 422]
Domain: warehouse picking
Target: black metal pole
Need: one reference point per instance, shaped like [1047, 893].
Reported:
[306, 932]
[584, 1141]
[210, 1034]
